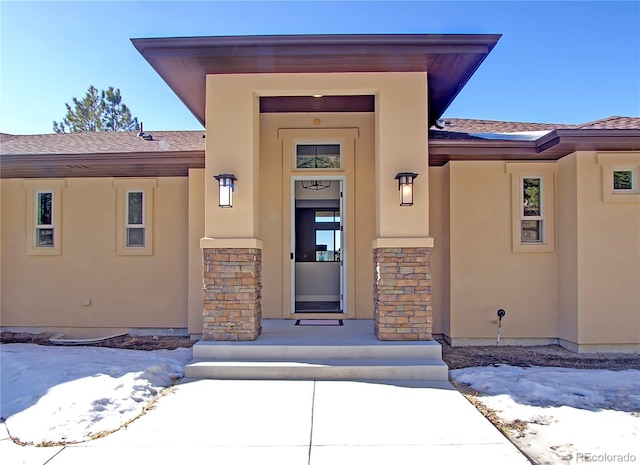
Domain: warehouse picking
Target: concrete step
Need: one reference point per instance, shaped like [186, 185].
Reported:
[320, 369]
[257, 351]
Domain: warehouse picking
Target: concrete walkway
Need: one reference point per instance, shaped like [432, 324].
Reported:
[293, 422]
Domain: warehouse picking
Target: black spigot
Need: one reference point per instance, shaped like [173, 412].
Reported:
[501, 314]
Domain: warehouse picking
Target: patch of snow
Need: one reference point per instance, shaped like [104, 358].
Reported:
[68, 394]
[522, 135]
[570, 413]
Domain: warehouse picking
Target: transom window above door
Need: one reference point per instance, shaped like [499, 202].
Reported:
[318, 156]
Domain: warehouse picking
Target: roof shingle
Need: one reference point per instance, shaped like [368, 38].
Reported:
[102, 142]
[613, 122]
[460, 129]
[193, 141]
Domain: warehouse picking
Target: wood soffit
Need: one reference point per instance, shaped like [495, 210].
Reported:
[450, 59]
[79, 165]
[552, 146]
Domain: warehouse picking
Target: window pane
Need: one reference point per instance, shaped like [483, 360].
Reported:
[325, 245]
[134, 215]
[327, 217]
[531, 231]
[45, 208]
[531, 197]
[622, 180]
[328, 149]
[135, 237]
[44, 237]
[318, 156]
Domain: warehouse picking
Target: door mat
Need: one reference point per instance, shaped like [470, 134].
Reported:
[319, 322]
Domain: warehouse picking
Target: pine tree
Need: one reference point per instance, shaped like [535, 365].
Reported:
[116, 115]
[97, 111]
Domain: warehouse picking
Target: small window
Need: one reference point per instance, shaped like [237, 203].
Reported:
[327, 240]
[315, 156]
[43, 211]
[531, 213]
[135, 219]
[623, 180]
[532, 206]
[134, 212]
[327, 245]
[620, 181]
[329, 216]
[44, 219]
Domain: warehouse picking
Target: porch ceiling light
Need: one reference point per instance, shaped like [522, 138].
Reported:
[316, 185]
[405, 186]
[226, 183]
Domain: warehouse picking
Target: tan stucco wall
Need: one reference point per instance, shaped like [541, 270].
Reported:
[232, 144]
[608, 258]
[125, 291]
[275, 223]
[196, 232]
[584, 293]
[567, 224]
[401, 146]
[485, 274]
[439, 224]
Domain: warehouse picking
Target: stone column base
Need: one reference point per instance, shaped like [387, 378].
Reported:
[232, 294]
[402, 294]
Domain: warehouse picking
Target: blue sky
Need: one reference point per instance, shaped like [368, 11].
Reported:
[563, 62]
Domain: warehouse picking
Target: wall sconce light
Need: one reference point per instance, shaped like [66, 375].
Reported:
[225, 181]
[405, 186]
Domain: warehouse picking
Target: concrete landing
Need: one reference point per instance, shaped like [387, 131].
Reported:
[288, 352]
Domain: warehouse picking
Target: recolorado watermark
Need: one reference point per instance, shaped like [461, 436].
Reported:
[604, 457]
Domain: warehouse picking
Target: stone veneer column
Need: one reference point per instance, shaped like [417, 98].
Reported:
[232, 294]
[402, 294]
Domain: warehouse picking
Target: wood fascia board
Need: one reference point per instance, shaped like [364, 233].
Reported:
[481, 147]
[52, 159]
[315, 39]
[554, 145]
[569, 140]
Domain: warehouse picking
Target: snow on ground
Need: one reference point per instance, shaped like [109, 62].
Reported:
[67, 394]
[572, 415]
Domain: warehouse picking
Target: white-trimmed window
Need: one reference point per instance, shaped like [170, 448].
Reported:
[620, 181]
[532, 201]
[44, 210]
[624, 180]
[134, 219]
[44, 216]
[531, 210]
[318, 157]
[135, 227]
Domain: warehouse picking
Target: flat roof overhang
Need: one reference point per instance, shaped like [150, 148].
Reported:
[449, 59]
[552, 146]
[89, 165]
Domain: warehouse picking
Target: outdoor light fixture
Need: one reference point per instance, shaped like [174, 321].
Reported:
[225, 181]
[405, 186]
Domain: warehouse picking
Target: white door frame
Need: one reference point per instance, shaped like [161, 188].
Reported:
[343, 235]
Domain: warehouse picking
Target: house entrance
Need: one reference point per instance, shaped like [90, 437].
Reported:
[318, 246]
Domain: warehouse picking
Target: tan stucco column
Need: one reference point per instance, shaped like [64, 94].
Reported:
[232, 254]
[402, 249]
